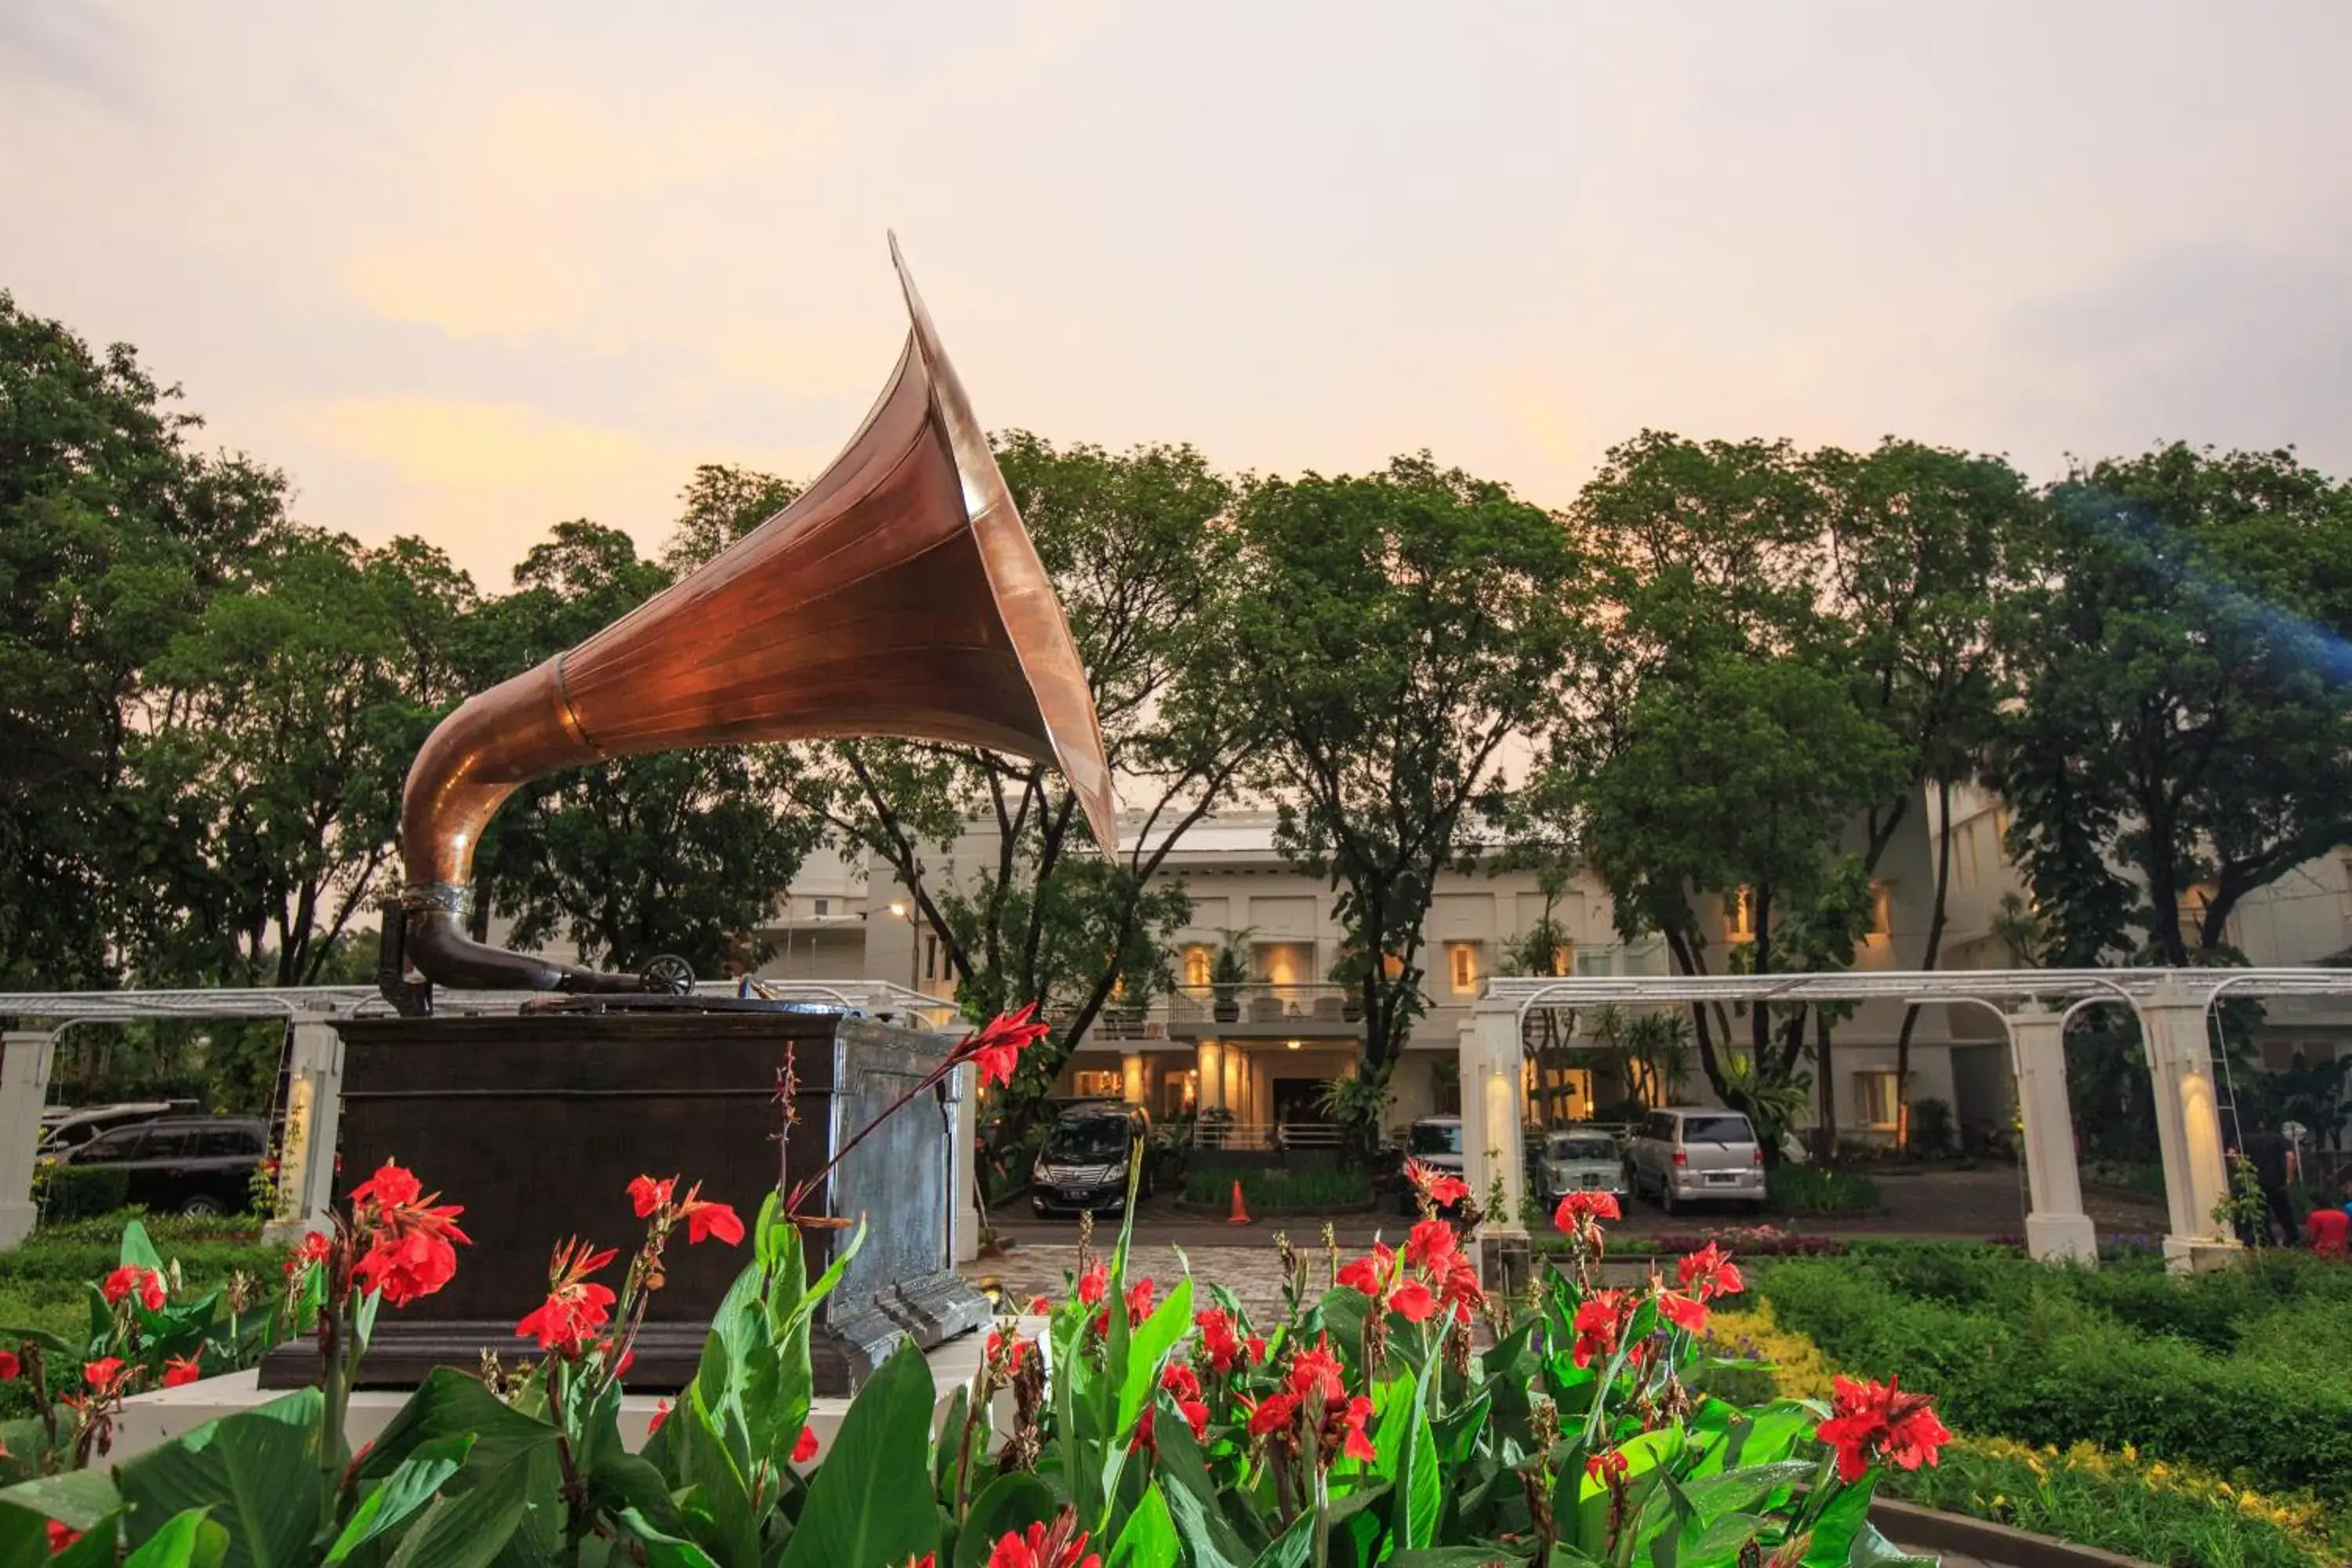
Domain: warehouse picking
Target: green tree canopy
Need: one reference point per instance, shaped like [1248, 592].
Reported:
[1394, 631]
[114, 535]
[2188, 711]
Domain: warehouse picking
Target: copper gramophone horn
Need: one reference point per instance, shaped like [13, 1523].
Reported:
[899, 595]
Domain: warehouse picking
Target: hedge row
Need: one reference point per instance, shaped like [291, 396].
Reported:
[2238, 1373]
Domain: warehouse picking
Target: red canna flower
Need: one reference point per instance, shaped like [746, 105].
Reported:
[1218, 1341]
[11, 1369]
[1598, 1321]
[313, 1247]
[575, 1308]
[1435, 1186]
[1414, 1302]
[649, 1197]
[928, 1560]
[1256, 1346]
[1430, 1246]
[1138, 1302]
[705, 1219]
[1093, 1283]
[406, 1265]
[1185, 1385]
[1005, 1353]
[1585, 1207]
[105, 1377]
[1682, 1311]
[179, 1370]
[1370, 1274]
[661, 1414]
[392, 1188]
[1878, 1420]
[132, 1280]
[1609, 1467]
[1274, 1412]
[1039, 1306]
[1460, 1290]
[1061, 1544]
[996, 1049]
[804, 1446]
[1712, 1270]
[60, 1537]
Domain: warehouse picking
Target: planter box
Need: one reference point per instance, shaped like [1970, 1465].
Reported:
[537, 1121]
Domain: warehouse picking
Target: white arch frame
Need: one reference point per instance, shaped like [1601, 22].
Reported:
[2173, 1008]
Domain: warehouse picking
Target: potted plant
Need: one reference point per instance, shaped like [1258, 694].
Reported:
[1346, 972]
[1228, 973]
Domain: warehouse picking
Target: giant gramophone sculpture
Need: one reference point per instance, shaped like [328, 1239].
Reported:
[899, 595]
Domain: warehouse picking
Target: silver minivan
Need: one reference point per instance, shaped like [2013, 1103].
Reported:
[1692, 1154]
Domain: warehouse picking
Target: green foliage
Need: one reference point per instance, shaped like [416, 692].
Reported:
[1276, 1188]
[2210, 1370]
[1395, 631]
[2191, 703]
[1820, 1189]
[2087, 1499]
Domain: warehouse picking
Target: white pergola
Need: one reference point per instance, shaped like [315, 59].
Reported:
[2173, 1007]
[315, 1071]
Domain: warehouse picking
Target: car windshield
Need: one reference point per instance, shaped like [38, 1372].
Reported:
[1583, 1146]
[1718, 1130]
[1436, 1138]
[1089, 1143]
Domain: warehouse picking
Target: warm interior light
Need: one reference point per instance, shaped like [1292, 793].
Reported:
[1293, 1045]
[899, 910]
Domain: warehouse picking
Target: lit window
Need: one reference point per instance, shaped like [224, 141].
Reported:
[1392, 965]
[1109, 1085]
[1196, 966]
[1740, 916]
[1881, 909]
[1874, 1099]
[1462, 963]
[931, 969]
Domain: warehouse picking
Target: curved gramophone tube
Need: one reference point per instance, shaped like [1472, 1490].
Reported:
[899, 595]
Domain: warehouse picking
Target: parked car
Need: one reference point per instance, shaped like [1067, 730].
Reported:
[66, 1128]
[1434, 1141]
[1082, 1163]
[180, 1164]
[1689, 1153]
[1582, 1159]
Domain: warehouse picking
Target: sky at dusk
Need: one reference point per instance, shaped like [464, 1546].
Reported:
[465, 272]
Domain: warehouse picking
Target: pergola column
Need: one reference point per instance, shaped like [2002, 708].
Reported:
[963, 1164]
[26, 1056]
[2173, 1025]
[314, 1105]
[2055, 1224]
[1492, 1131]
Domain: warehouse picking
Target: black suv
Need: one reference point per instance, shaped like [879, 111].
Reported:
[182, 1164]
[1081, 1164]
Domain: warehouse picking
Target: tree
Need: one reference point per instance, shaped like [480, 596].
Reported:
[1395, 630]
[113, 534]
[275, 736]
[1721, 749]
[2189, 717]
[1924, 547]
[679, 852]
[991, 848]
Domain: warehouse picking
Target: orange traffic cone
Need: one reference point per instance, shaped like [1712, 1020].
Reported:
[1240, 1214]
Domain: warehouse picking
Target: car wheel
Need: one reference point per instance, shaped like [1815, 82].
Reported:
[203, 1204]
[1665, 1195]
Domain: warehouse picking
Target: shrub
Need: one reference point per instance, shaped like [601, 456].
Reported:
[1932, 1129]
[1820, 1189]
[1273, 1187]
[2055, 1356]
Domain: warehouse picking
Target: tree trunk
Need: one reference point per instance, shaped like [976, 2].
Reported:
[1926, 961]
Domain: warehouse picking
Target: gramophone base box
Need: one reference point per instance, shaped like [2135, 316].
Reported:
[537, 1122]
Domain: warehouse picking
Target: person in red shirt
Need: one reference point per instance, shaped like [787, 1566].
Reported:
[2328, 1231]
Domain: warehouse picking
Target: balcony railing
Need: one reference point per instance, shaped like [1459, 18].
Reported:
[1265, 1003]
[1207, 1134]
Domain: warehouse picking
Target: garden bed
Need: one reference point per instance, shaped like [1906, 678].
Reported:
[2197, 1420]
